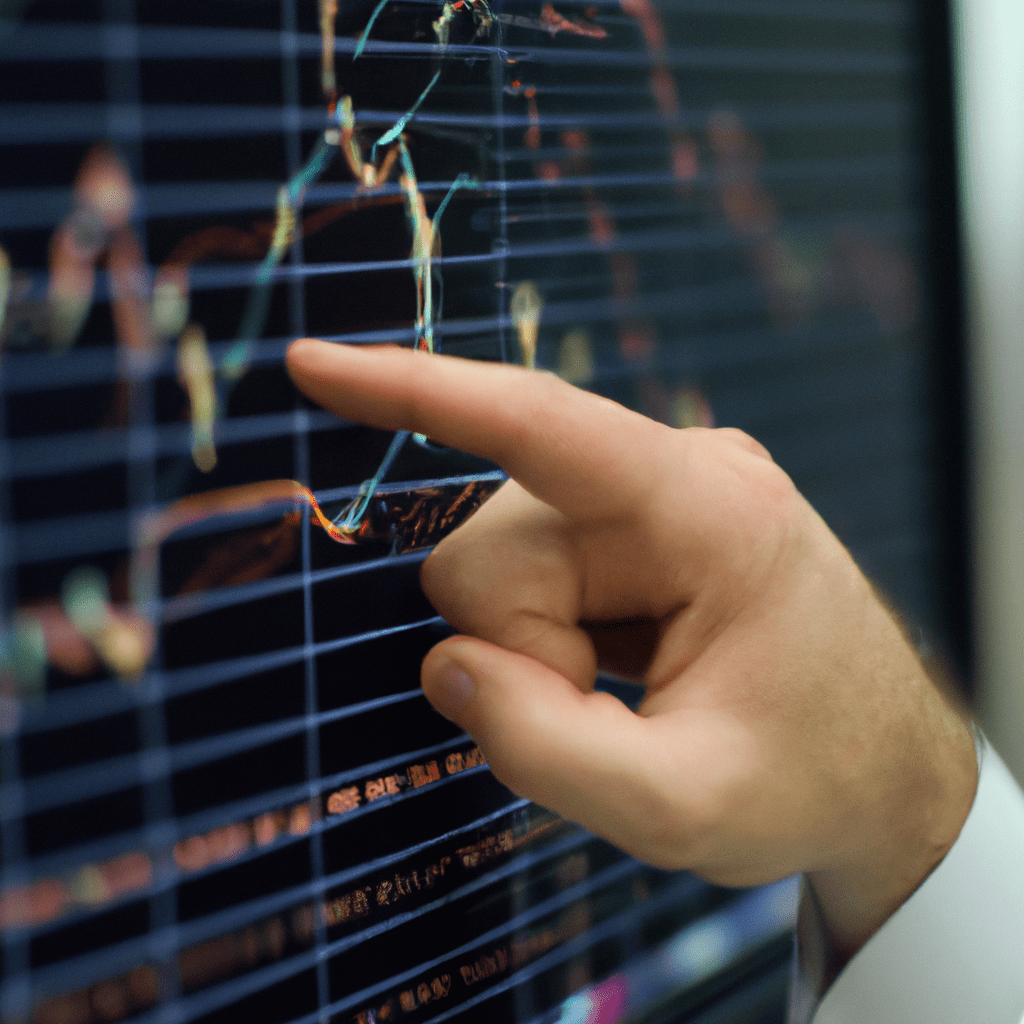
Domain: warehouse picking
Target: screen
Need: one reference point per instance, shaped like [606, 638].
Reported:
[224, 796]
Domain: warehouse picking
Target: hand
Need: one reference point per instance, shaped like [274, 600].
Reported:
[787, 725]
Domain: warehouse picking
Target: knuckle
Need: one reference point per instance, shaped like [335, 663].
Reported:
[778, 491]
[745, 441]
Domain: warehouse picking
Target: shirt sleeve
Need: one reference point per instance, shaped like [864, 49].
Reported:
[954, 951]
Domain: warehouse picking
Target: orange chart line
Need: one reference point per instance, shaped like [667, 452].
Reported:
[245, 498]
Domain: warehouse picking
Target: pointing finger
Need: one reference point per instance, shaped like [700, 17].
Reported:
[582, 454]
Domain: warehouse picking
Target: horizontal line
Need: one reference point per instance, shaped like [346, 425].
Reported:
[205, 821]
[201, 822]
[329, 496]
[85, 533]
[517, 865]
[73, 122]
[244, 914]
[69, 859]
[94, 701]
[186, 680]
[46, 207]
[78, 41]
[230, 921]
[33, 371]
[71, 42]
[175, 609]
[48, 454]
[855, 444]
[539, 213]
[608, 876]
[57, 862]
[188, 606]
[178, 682]
[619, 923]
[243, 275]
[48, 123]
[102, 528]
[97, 966]
[558, 901]
[80, 704]
[826, 385]
[226, 814]
[68, 536]
[43, 370]
[75, 41]
[51, 454]
[211, 276]
[639, 242]
[714, 58]
[729, 294]
[28, 371]
[206, 1002]
[326, 783]
[864, 10]
[847, 446]
[77, 452]
[763, 116]
[771, 8]
[678, 894]
[722, 351]
[89, 781]
[838, 10]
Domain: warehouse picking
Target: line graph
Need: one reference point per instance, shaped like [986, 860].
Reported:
[221, 787]
[145, 317]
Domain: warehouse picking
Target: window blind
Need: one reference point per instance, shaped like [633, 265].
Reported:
[223, 794]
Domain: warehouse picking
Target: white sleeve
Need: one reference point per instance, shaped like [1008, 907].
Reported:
[954, 952]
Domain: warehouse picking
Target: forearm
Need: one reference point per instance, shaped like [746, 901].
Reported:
[952, 952]
[913, 814]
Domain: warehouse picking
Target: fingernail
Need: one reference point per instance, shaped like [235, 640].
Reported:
[451, 690]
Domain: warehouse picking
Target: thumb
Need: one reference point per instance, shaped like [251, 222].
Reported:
[583, 755]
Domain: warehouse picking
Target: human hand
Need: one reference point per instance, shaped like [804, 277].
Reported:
[787, 725]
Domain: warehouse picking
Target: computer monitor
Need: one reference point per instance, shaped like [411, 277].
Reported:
[224, 796]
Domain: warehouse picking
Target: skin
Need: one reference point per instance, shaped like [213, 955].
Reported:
[788, 726]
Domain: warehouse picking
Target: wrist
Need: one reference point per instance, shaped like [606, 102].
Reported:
[914, 823]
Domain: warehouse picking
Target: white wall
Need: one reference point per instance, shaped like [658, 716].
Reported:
[989, 41]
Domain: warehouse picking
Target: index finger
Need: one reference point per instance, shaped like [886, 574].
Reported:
[582, 454]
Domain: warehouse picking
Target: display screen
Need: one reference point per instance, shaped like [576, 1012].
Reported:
[224, 797]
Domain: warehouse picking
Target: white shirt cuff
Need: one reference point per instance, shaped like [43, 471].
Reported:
[954, 952]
